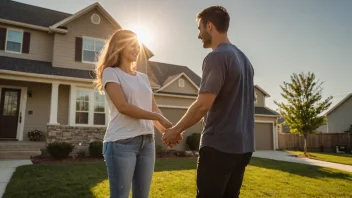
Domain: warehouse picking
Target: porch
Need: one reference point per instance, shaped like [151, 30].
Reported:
[62, 110]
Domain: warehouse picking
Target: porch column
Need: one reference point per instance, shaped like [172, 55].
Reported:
[54, 103]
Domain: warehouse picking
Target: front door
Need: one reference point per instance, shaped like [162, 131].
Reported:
[9, 113]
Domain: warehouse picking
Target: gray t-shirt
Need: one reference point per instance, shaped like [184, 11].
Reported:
[229, 124]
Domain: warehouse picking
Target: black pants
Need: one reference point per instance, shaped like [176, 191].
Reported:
[220, 175]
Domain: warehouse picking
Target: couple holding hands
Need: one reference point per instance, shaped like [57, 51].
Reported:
[225, 103]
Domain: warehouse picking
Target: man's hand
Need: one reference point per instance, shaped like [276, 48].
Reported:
[172, 136]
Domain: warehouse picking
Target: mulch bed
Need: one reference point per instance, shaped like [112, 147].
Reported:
[49, 160]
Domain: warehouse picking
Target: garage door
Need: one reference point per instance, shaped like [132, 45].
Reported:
[264, 136]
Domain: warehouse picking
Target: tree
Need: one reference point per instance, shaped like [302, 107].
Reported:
[304, 105]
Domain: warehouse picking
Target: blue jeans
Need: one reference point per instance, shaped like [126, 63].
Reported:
[130, 161]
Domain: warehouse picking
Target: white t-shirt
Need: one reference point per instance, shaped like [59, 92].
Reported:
[137, 92]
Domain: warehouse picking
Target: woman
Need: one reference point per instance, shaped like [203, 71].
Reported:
[129, 146]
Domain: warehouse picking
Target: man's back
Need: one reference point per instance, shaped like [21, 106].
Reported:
[229, 124]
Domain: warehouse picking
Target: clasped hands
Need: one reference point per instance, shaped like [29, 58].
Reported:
[171, 134]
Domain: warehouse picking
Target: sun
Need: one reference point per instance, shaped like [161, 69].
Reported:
[143, 33]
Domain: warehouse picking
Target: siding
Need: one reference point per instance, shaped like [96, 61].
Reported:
[64, 45]
[62, 112]
[165, 100]
[341, 118]
[41, 45]
[260, 98]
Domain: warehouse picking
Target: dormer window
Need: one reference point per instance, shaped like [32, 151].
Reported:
[181, 83]
[14, 41]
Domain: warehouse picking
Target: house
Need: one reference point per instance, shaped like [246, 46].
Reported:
[46, 63]
[339, 117]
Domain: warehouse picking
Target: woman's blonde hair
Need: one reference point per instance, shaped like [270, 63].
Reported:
[110, 56]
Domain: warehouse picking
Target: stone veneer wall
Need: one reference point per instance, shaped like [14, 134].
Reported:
[79, 136]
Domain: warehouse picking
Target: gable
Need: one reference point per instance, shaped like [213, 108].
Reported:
[182, 85]
[65, 45]
[95, 6]
[343, 107]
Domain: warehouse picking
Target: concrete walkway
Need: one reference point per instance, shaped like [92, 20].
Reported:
[7, 168]
[288, 157]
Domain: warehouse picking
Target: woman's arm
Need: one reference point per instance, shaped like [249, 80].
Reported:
[157, 124]
[118, 99]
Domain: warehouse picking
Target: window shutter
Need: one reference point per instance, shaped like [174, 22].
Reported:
[2, 38]
[78, 53]
[26, 42]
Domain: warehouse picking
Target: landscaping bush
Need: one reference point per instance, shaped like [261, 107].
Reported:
[193, 141]
[81, 154]
[96, 149]
[60, 150]
[160, 151]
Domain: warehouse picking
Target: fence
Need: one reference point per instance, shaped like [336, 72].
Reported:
[323, 142]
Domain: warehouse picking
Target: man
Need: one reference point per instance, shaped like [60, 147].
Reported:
[226, 101]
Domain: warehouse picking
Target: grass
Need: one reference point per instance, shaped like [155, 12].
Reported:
[176, 178]
[328, 157]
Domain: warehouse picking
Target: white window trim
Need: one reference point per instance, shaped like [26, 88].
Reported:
[7, 32]
[90, 38]
[181, 82]
[72, 118]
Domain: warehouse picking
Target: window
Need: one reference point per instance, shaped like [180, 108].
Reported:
[90, 108]
[255, 97]
[99, 109]
[82, 107]
[14, 41]
[91, 49]
[181, 83]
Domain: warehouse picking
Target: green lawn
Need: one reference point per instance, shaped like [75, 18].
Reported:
[328, 157]
[176, 178]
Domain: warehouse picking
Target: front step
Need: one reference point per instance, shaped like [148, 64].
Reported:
[21, 146]
[19, 154]
[20, 150]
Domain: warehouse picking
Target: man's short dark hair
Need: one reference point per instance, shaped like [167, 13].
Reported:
[218, 15]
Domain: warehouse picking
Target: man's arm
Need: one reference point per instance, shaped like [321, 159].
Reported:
[196, 111]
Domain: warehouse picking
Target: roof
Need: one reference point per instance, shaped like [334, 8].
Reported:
[161, 73]
[41, 67]
[339, 104]
[262, 90]
[84, 11]
[159, 70]
[30, 14]
[265, 111]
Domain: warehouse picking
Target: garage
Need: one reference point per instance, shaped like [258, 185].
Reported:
[264, 136]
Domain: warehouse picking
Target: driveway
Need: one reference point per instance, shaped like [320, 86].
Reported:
[7, 168]
[288, 157]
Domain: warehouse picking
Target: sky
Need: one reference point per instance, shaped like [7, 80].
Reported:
[280, 37]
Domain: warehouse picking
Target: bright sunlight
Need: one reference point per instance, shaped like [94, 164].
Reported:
[143, 33]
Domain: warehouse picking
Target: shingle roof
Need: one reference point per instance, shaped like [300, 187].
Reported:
[41, 67]
[30, 14]
[161, 72]
[265, 111]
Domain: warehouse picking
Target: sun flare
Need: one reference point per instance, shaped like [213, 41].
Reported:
[143, 33]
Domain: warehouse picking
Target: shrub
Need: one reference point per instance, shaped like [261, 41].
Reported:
[35, 135]
[60, 150]
[160, 151]
[81, 154]
[96, 149]
[193, 141]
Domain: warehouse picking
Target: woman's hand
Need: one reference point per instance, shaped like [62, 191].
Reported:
[164, 121]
